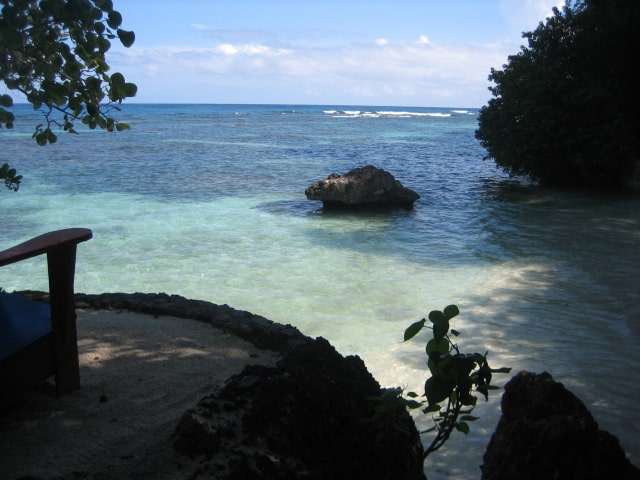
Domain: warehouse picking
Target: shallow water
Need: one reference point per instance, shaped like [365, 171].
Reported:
[208, 202]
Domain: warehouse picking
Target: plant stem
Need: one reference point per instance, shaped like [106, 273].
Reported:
[444, 431]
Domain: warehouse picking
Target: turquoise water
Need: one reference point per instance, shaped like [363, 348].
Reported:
[207, 201]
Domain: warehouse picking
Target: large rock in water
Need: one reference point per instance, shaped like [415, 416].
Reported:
[362, 187]
[546, 432]
[315, 416]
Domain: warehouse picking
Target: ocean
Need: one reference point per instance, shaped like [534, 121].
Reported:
[207, 202]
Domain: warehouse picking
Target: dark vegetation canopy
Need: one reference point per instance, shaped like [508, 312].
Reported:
[53, 53]
[566, 109]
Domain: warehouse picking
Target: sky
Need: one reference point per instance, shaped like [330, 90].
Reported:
[430, 53]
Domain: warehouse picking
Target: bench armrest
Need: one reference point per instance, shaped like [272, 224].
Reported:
[60, 247]
[44, 244]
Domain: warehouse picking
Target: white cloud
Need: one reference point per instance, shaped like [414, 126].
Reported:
[227, 49]
[325, 62]
[399, 73]
[250, 49]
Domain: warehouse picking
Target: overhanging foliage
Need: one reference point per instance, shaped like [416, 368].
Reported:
[53, 53]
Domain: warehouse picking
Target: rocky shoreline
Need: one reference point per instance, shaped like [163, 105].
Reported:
[317, 414]
[263, 333]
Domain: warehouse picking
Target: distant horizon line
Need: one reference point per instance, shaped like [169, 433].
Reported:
[285, 104]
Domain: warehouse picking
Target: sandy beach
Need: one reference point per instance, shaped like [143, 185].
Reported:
[139, 373]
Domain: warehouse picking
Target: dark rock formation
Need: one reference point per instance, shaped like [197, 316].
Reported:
[316, 415]
[363, 187]
[546, 432]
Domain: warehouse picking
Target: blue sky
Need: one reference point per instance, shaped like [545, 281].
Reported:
[336, 52]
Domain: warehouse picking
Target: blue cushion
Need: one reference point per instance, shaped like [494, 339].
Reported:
[22, 321]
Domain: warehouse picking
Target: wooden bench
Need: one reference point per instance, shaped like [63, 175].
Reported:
[39, 340]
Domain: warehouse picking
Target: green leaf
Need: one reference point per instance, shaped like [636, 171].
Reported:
[41, 139]
[468, 400]
[92, 110]
[434, 366]
[436, 316]
[6, 101]
[451, 311]
[126, 37]
[105, 5]
[469, 418]
[455, 332]
[93, 84]
[440, 328]
[437, 389]
[114, 19]
[130, 89]
[437, 346]
[412, 395]
[464, 364]
[103, 44]
[413, 329]
[117, 79]
[432, 408]
[462, 427]
[51, 137]
[6, 117]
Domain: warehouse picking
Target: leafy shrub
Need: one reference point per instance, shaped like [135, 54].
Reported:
[454, 375]
[564, 109]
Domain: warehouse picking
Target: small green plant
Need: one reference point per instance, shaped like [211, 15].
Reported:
[453, 377]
